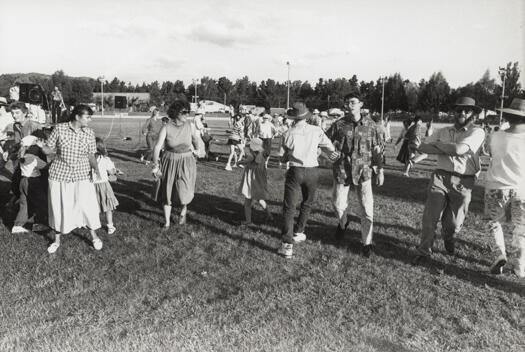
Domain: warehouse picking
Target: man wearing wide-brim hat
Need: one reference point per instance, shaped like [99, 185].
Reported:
[300, 145]
[457, 148]
[505, 188]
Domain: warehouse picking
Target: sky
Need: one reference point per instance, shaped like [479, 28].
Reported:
[170, 39]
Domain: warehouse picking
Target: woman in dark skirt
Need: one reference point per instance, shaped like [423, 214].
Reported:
[404, 153]
[177, 172]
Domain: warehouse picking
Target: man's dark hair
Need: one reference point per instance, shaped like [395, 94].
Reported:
[80, 110]
[351, 96]
[18, 105]
[178, 107]
[513, 119]
[417, 119]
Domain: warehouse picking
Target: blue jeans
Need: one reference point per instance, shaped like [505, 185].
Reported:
[300, 181]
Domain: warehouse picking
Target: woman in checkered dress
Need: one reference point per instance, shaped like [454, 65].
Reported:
[72, 197]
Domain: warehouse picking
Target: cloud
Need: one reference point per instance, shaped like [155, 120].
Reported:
[167, 62]
[227, 34]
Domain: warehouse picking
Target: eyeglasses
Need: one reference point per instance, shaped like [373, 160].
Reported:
[352, 102]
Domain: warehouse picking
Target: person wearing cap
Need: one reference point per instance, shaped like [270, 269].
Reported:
[457, 148]
[505, 189]
[357, 139]
[265, 131]
[324, 116]
[254, 184]
[300, 144]
[315, 119]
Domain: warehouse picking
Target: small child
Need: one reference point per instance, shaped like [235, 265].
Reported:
[106, 198]
[505, 188]
[32, 187]
[254, 184]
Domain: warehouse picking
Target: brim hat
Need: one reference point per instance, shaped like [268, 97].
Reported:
[517, 108]
[267, 116]
[256, 144]
[299, 111]
[468, 103]
[3, 101]
[323, 114]
[316, 111]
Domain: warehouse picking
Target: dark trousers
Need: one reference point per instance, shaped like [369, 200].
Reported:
[33, 201]
[56, 111]
[448, 199]
[300, 181]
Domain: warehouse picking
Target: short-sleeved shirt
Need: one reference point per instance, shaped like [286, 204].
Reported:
[73, 147]
[507, 167]
[266, 129]
[361, 149]
[414, 134]
[104, 165]
[300, 144]
[468, 163]
[152, 126]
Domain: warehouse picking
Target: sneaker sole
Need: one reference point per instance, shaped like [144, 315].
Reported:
[498, 267]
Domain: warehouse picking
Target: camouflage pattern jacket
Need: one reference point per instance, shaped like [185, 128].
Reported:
[361, 149]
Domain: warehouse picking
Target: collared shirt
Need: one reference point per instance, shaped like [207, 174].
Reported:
[300, 144]
[266, 129]
[468, 163]
[507, 167]
[73, 147]
[361, 149]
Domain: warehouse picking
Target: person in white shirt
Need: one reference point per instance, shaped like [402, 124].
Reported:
[505, 188]
[300, 145]
[265, 131]
[32, 187]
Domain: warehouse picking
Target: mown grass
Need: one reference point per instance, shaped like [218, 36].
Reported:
[213, 285]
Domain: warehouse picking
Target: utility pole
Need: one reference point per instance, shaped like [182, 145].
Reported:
[195, 96]
[503, 76]
[382, 97]
[288, 86]
[101, 78]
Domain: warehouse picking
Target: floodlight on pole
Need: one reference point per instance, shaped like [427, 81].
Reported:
[195, 80]
[288, 87]
[503, 75]
[382, 96]
[101, 78]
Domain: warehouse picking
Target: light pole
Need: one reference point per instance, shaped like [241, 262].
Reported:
[503, 75]
[382, 97]
[288, 86]
[101, 78]
[195, 86]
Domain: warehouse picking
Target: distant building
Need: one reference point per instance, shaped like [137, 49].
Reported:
[136, 101]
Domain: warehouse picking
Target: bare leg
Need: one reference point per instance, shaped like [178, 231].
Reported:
[230, 157]
[183, 212]
[109, 218]
[167, 214]
[419, 158]
[54, 246]
[247, 210]
[407, 168]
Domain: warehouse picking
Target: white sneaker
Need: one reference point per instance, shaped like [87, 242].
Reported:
[19, 229]
[228, 168]
[497, 266]
[53, 247]
[286, 250]
[299, 237]
[97, 244]
[39, 227]
[111, 229]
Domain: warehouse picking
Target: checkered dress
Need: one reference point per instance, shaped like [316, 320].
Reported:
[71, 163]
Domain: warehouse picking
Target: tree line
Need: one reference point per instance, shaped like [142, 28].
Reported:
[432, 95]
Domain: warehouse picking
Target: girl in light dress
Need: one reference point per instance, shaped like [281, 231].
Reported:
[106, 198]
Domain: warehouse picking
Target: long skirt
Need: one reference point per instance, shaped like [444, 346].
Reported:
[105, 196]
[72, 205]
[404, 153]
[177, 183]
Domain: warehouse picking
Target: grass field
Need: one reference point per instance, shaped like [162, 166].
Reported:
[212, 285]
